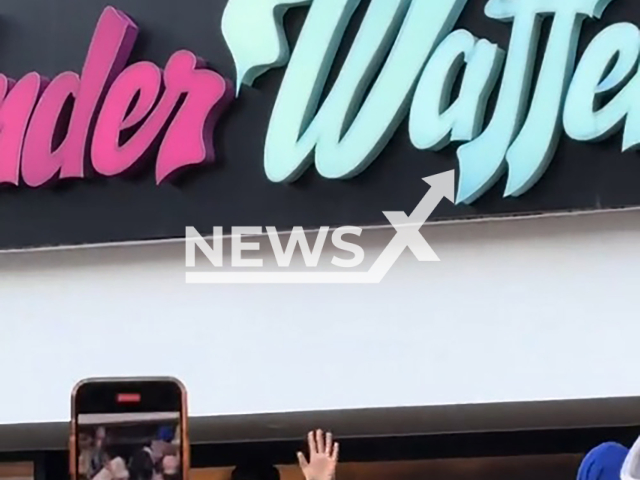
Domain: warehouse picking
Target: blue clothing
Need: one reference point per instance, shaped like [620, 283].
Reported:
[166, 434]
[603, 462]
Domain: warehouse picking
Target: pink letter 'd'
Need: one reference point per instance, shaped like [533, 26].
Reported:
[188, 140]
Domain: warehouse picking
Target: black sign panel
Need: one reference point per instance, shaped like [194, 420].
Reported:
[53, 36]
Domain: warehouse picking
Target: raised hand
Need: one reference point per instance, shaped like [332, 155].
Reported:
[323, 457]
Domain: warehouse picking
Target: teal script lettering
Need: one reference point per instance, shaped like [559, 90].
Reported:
[406, 57]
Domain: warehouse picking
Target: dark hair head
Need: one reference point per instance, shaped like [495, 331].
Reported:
[255, 471]
[141, 466]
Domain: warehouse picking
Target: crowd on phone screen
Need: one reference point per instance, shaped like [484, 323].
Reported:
[158, 459]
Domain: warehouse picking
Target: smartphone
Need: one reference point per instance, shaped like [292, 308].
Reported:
[129, 429]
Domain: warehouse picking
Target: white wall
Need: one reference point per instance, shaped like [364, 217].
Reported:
[517, 310]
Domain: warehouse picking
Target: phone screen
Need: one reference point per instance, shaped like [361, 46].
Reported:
[129, 431]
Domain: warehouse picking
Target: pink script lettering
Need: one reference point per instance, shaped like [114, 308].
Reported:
[31, 109]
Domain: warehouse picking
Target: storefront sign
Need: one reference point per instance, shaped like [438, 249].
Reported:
[341, 108]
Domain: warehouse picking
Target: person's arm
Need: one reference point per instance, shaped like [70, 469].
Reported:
[323, 457]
